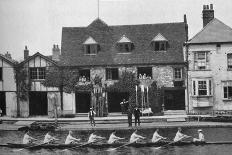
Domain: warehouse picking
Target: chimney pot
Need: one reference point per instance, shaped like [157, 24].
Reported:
[211, 6]
[55, 53]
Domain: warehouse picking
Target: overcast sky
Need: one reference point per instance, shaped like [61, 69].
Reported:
[38, 23]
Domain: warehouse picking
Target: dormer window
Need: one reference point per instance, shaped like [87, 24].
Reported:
[91, 46]
[159, 43]
[125, 45]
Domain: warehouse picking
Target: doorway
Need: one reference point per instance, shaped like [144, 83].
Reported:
[38, 103]
[114, 100]
[83, 102]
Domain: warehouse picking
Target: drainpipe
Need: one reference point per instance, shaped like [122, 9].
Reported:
[187, 83]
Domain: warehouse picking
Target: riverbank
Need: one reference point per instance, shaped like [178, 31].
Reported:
[111, 123]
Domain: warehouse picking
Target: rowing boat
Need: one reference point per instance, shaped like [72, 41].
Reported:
[105, 145]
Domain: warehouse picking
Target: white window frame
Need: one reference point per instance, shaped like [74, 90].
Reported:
[226, 84]
[40, 73]
[93, 49]
[195, 87]
[229, 61]
[198, 63]
[179, 72]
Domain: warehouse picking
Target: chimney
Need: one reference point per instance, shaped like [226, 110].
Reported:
[26, 53]
[8, 55]
[186, 27]
[55, 53]
[207, 14]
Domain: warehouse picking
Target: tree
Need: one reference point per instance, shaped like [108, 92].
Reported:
[64, 79]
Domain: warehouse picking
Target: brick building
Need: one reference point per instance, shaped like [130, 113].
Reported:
[154, 52]
[209, 54]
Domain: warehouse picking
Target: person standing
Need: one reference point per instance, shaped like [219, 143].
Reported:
[91, 117]
[137, 116]
[129, 116]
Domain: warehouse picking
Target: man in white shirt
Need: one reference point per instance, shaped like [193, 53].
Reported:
[156, 137]
[48, 138]
[70, 139]
[201, 137]
[93, 138]
[91, 117]
[179, 136]
[135, 137]
[113, 138]
[27, 139]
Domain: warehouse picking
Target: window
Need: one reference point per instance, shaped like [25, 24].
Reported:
[159, 45]
[227, 90]
[37, 73]
[144, 72]
[112, 74]
[201, 60]
[1, 74]
[125, 47]
[91, 49]
[202, 87]
[229, 60]
[84, 75]
[178, 73]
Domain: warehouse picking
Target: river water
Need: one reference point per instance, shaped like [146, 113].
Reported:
[211, 134]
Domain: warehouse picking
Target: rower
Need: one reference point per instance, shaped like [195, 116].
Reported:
[156, 137]
[179, 136]
[27, 139]
[135, 137]
[70, 139]
[201, 137]
[48, 138]
[94, 138]
[113, 138]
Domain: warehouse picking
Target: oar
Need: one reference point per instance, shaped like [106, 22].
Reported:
[29, 147]
[112, 149]
[75, 147]
[173, 142]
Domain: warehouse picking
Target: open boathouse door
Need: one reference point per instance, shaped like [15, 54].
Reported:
[114, 100]
[83, 102]
[3, 102]
[174, 99]
[38, 103]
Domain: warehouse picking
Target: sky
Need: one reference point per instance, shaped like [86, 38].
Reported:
[38, 23]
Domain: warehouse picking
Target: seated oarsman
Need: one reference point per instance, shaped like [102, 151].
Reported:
[201, 137]
[156, 137]
[27, 139]
[135, 137]
[49, 139]
[179, 135]
[94, 138]
[70, 139]
[113, 138]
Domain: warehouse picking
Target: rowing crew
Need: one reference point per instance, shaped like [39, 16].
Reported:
[113, 138]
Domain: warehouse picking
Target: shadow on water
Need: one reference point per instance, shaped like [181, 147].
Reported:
[211, 134]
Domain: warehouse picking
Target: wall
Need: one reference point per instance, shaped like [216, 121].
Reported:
[218, 72]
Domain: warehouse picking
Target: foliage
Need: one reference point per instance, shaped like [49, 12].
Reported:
[63, 78]
[23, 83]
[126, 83]
[97, 80]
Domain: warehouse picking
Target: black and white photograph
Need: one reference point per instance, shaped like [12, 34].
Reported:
[115, 77]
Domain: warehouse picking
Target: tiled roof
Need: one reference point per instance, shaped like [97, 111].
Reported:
[72, 50]
[215, 31]
[10, 61]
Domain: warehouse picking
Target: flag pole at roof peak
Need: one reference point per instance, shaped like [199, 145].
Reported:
[98, 9]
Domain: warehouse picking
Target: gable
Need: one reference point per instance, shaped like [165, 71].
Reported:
[213, 32]
[124, 39]
[159, 37]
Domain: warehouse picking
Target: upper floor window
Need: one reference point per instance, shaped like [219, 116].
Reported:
[144, 72]
[201, 60]
[229, 60]
[177, 73]
[1, 74]
[125, 45]
[227, 89]
[37, 73]
[112, 74]
[201, 87]
[84, 75]
[159, 43]
[91, 46]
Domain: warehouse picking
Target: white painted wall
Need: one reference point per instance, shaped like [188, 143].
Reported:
[69, 104]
